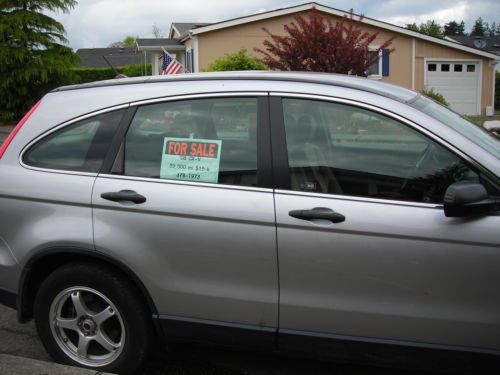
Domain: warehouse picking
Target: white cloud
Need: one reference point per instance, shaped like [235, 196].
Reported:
[97, 23]
[442, 16]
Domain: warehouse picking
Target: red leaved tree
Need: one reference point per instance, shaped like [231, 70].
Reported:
[315, 44]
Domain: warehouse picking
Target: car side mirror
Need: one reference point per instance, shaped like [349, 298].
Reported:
[467, 199]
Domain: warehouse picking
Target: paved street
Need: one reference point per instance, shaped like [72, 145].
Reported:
[22, 340]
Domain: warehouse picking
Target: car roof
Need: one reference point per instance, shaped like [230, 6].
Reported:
[359, 83]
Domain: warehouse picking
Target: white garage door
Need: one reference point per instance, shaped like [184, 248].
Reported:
[457, 81]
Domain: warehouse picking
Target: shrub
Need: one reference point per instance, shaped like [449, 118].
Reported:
[236, 61]
[436, 96]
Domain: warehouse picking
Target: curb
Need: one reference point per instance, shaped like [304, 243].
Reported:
[12, 365]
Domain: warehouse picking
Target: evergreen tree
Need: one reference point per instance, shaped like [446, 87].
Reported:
[33, 55]
[493, 29]
[461, 28]
[454, 28]
[451, 28]
[478, 29]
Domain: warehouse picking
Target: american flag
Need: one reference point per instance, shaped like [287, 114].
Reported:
[169, 65]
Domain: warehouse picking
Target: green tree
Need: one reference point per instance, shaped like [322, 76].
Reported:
[431, 28]
[128, 42]
[491, 30]
[461, 28]
[479, 28]
[34, 57]
[236, 61]
[413, 27]
[454, 28]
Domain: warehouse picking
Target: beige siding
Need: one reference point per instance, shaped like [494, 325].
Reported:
[189, 43]
[215, 44]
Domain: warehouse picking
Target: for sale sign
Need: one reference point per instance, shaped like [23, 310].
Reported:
[191, 159]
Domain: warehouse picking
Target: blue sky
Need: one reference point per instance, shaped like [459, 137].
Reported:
[97, 23]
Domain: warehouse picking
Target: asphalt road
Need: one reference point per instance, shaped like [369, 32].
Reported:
[22, 340]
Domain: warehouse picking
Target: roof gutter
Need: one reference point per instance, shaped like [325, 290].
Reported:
[159, 48]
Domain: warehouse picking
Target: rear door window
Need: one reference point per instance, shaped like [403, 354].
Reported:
[80, 146]
[199, 140]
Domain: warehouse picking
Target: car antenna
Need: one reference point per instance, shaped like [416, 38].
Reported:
[118, 75]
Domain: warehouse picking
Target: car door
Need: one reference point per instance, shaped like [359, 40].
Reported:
[188, 207]
[365, 250]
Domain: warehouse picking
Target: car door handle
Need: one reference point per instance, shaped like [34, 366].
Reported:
[124, 195]
[318, 213]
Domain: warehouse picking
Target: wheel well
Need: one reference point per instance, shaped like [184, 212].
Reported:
[37, 271]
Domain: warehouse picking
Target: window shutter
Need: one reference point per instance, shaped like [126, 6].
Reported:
[385, 62]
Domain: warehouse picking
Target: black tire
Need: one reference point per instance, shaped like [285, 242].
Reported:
[127, 313]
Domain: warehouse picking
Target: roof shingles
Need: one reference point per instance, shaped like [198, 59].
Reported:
[93, 57]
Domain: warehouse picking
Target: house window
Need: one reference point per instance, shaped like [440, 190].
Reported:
[445, 67]
[190, 61]
[457, 68]
[471, 68]
[431, 67]
[376, 68]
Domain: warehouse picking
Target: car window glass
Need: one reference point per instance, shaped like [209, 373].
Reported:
[340, 149]
[477, 134]
[201, 140]
[81, 146]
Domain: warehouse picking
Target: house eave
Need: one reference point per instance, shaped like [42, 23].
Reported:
[160, 48]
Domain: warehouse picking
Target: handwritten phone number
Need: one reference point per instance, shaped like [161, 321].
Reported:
[188, 176]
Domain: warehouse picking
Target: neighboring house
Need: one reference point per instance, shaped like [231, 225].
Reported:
[464, 75]
[93, 57]
[489, 44]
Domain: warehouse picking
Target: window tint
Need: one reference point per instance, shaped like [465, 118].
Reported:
[202, 140]
[340, 149]
[81, 146]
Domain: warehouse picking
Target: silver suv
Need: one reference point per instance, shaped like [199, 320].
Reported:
[292, 212]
